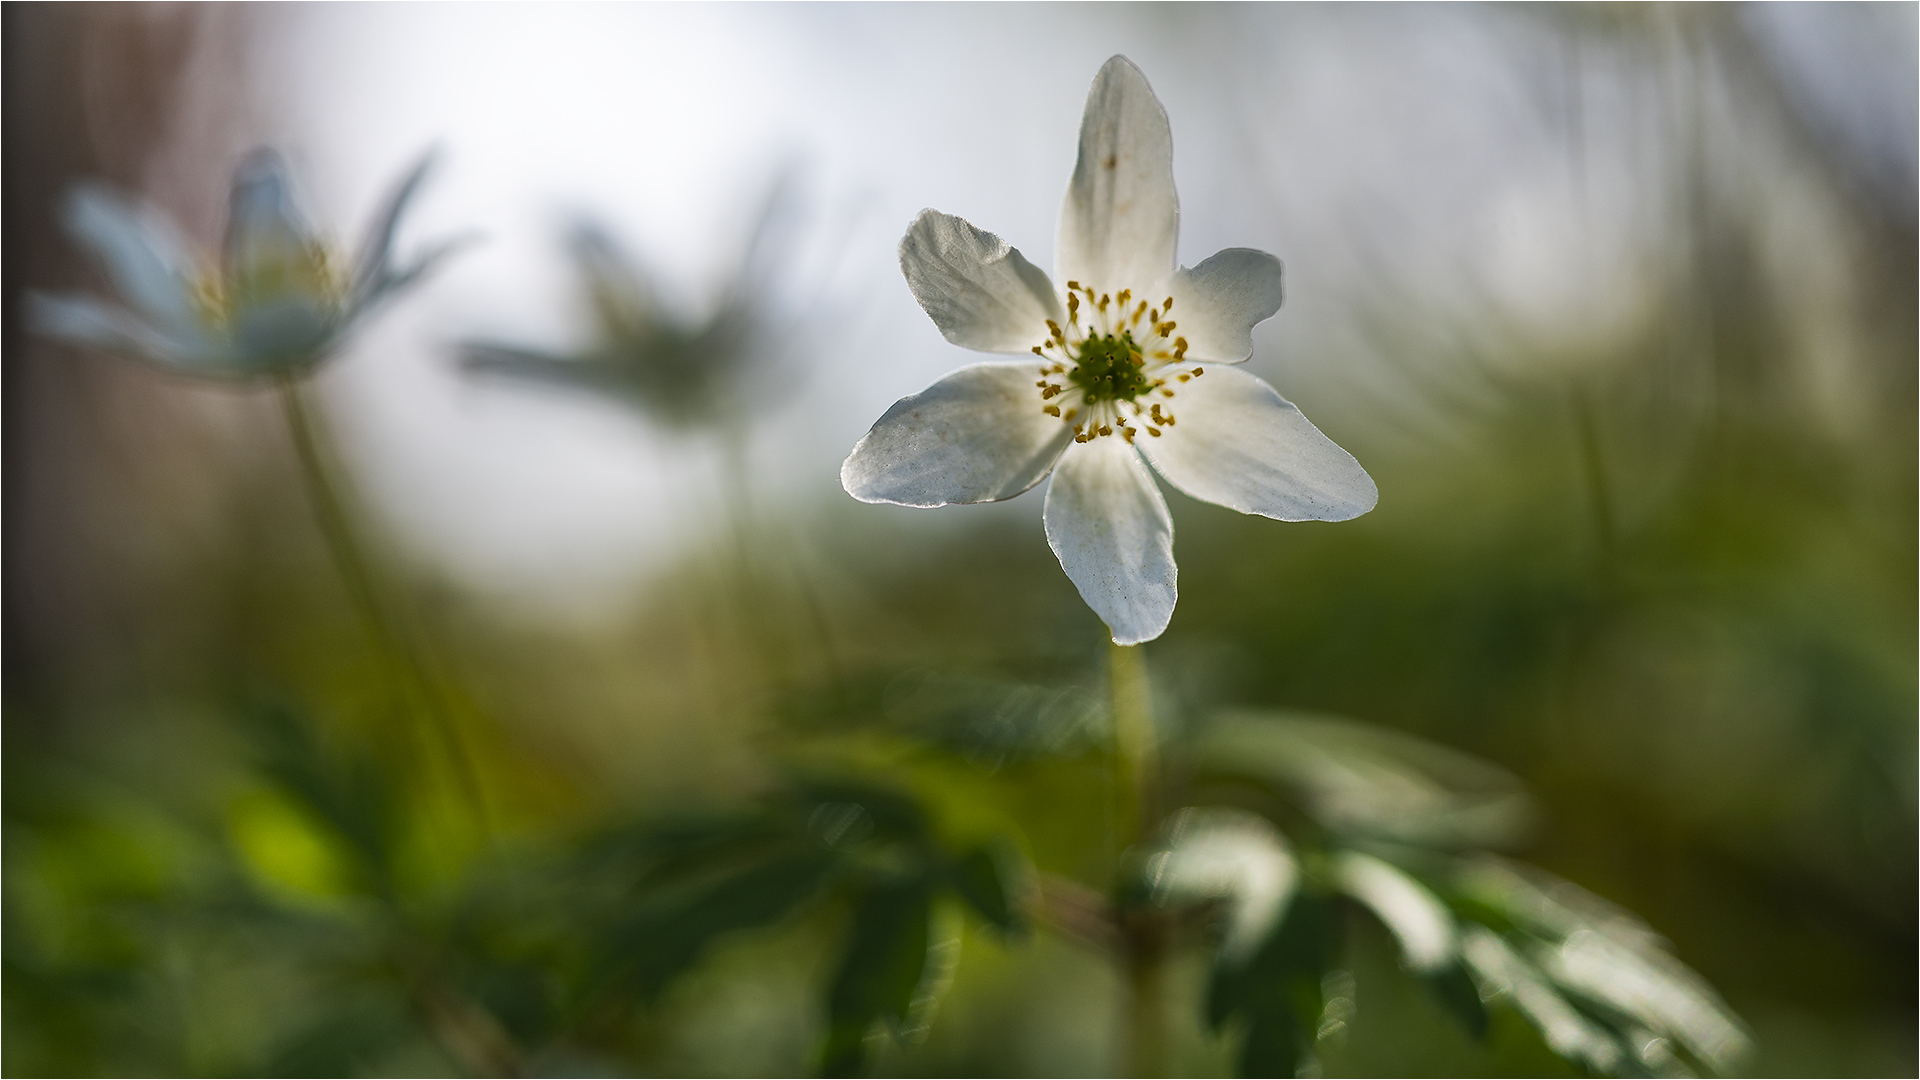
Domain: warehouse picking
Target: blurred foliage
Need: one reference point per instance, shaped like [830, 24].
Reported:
[1638, 624]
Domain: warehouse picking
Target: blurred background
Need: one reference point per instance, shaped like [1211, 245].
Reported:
[1616, 303]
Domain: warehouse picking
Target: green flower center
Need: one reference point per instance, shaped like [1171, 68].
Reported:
[1110, 368]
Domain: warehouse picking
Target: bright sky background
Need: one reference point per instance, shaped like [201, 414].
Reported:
[1419, 159]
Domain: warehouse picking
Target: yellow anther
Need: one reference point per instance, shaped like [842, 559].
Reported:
[1185, 377]
[1154, 316]
[1104, 301]
[1037, 352]
[1073, 286]
[1197, 372]
[1105, 429]
[1127, 434]
[1073, 306]
[1154, 431]
[1167, 305]
[1125, 294]
[1166, 393]
[1071, 413]
[1050, 410]
[1042, 384]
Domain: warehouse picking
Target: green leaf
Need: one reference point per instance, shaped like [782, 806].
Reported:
[351, 797]
[895, 815]
[885, 958]
[667, 934]
[1456, 991]
[1277, 991]
[980, 880]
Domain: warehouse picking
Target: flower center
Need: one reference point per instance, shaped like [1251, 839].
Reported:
[1117, 366]
[1110, 369]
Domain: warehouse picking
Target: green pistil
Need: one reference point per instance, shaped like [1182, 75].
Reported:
[1109, 369]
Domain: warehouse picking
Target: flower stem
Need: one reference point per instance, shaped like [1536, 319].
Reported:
[412, 688]
[1137, 811]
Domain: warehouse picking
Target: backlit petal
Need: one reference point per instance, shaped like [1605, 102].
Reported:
[1217, 303]
[979, 290]
[142, 255]
[1113, 535]
[1120, 222]
[977, 435]
[1238, 443]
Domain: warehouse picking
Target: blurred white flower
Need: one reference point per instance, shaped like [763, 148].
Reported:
[1120, 353]
[687, 373]
[279, 302]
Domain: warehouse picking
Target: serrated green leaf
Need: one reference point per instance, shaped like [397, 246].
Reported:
[885, 957]
[664, 936]
[1277, 990]
[895, 815]
[1454, 988]
[978, 876]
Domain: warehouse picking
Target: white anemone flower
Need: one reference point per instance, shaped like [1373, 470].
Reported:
[278, 302]
[1123, 363]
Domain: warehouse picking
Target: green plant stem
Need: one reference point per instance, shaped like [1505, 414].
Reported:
[1136, 813]
[410, 684]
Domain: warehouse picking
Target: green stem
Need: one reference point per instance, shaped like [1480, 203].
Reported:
[412, 688]
[1136, 813]
[1134, 744]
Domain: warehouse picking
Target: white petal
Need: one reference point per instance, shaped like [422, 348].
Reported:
[82, 320]
[1111, 531]
[376, 252]
[1121, 219]
[1238, 443]
[1217, 303]
[142, 255]
[979, 290]
[266, 230]
[975, 436]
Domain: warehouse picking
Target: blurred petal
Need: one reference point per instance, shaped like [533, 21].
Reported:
[266, 230]
[141, 255]
[396, 280]
[284, 333]
[534, 366]
[1231, 855]
[1240, 444]
[1121, 219]
[622, 294]
[1114, 537]
[980, 291]
[377, 249]
[977, 435]
[81, 320]
[1218, 302]
[1417, 918]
